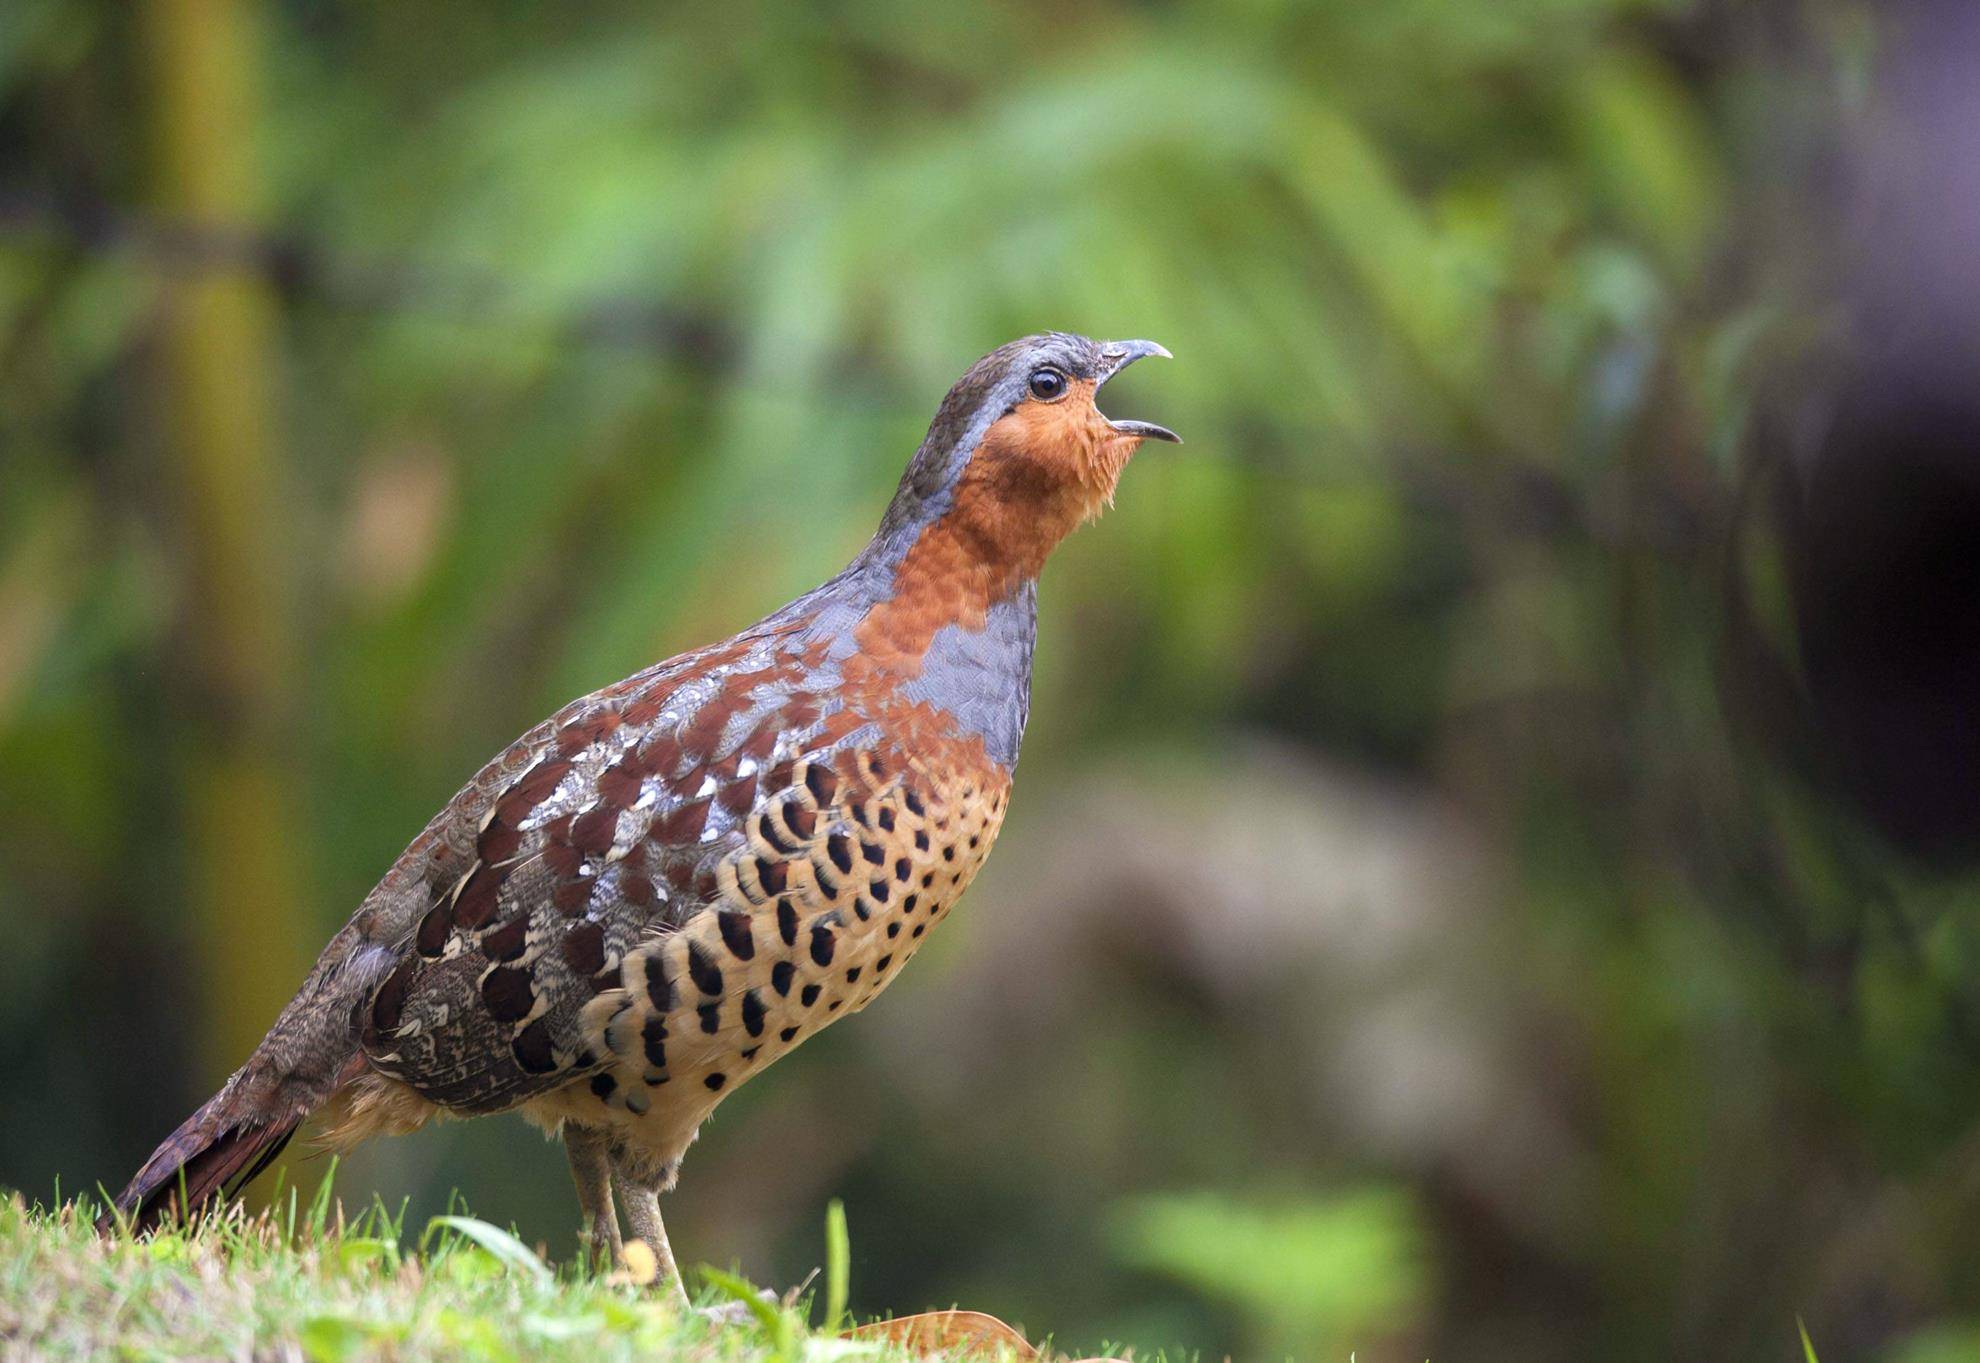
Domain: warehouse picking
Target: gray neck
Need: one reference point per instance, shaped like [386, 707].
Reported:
[983, 677]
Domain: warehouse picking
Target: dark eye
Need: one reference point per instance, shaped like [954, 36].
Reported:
[1048, 385]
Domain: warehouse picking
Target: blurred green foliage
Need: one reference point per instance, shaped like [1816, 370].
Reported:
[598, 330]
[1318, 1275]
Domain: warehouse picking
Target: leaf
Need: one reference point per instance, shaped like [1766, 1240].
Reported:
[168, 1249]
[468, 1266]
[472, 1334]
[934, 1332]
[331, 1339]
[512, 1252]
[358, 1251]
[833, 1350]
[561, 1328]
[1328, 1267]
[1649, 151]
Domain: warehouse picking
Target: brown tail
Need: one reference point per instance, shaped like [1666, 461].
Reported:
[308, 1055]
[212, 1154]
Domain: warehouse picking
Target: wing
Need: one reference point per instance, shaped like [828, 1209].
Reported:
[606, 832]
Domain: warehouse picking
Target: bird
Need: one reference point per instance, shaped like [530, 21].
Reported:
[671, 883]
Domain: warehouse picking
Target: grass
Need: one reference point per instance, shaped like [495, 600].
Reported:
[303, 1281]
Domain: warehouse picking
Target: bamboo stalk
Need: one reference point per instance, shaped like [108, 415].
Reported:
[218, 346]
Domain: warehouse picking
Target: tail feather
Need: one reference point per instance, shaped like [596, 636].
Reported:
[211, 1155]
[306, 1058]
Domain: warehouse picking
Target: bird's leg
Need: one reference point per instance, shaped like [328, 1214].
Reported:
[591, 1170]
[638, 1180]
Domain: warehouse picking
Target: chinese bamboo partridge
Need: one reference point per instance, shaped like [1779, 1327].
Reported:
[671, 883]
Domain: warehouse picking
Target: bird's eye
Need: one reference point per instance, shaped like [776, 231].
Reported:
[1048, 385]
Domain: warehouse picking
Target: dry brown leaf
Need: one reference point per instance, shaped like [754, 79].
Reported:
[948, 1331]
[970, 1332]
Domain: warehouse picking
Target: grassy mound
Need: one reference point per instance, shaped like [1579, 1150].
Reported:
[303, 1282]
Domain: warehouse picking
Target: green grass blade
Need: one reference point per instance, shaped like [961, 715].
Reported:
[838, 1266]
[498, 1242]
[776, 1322]
[319, 1206]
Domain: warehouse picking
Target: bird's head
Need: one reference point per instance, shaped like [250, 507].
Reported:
[1019, 454]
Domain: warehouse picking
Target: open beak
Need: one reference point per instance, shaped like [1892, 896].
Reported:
[1118, 355]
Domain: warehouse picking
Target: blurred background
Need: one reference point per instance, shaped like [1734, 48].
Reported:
[1494, 871]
